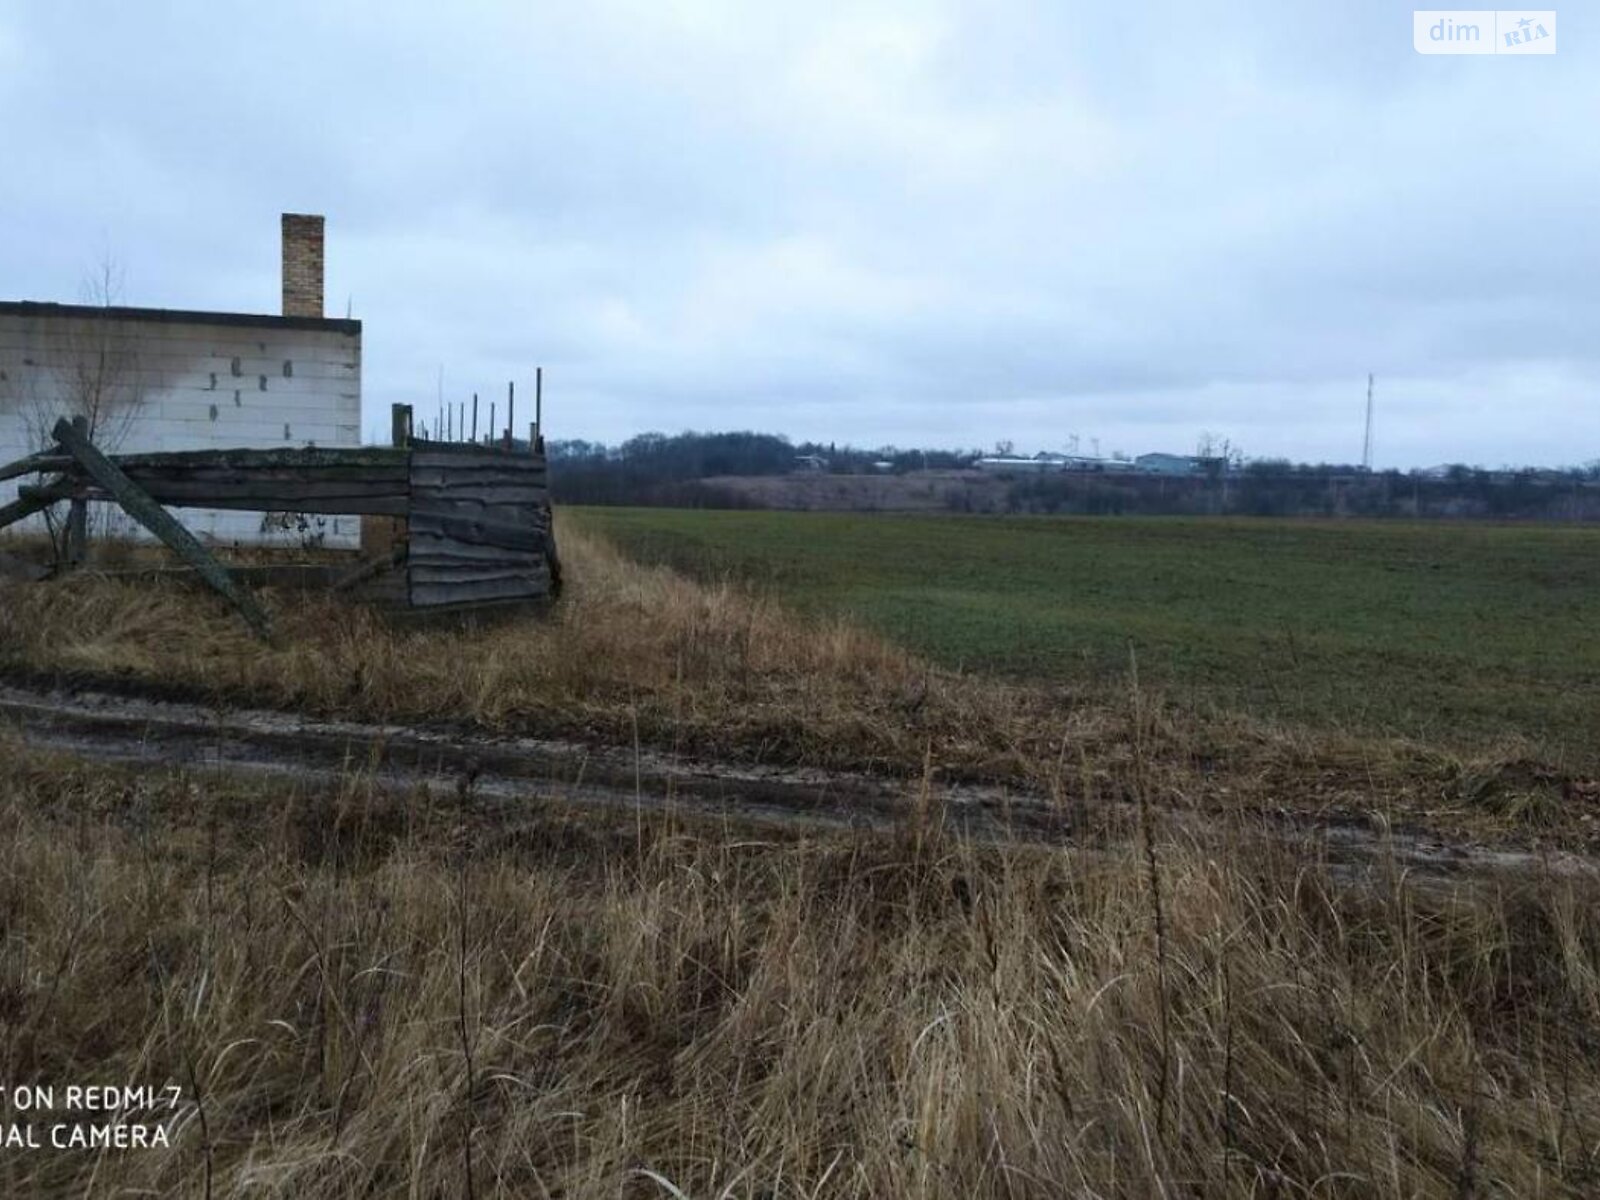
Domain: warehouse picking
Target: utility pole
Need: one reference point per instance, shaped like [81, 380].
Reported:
[1366, 441]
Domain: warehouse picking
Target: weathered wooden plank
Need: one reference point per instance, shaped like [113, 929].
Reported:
[430, 501]
[510, 560]
[429, 546]
[354, 507]
[246, 481]
[437, 479]
[513, 468]
[391, 475]
[445, 477]
[35, 499]
[249, 458]
[275, 501]
[426, 537]
[430, 595]
[521, 516]
[138, 505]
[453, 457]
[49, 460]
[480, 532]
[254, 496]
[435, 501]
[455, 454]
[350, 481]
[423, 573]
[494, 494]
[312, 488]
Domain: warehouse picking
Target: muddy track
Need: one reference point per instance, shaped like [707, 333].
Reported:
[510, 771]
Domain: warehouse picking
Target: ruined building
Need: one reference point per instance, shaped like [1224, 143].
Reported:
[151, 379]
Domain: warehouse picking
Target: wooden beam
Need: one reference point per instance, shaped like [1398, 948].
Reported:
[261, 491]
[138, 505]
[35, 499]
[534, 586]
[480, 532]
[47, 460]
[330, 459]
[357, 480]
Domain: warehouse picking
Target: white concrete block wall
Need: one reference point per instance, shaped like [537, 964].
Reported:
[188, 381]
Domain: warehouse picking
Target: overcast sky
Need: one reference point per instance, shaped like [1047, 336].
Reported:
[921, 223]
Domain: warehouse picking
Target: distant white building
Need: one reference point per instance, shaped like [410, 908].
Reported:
[1045, 460]
[162, 379]
[1010, 462]
[1167, 464]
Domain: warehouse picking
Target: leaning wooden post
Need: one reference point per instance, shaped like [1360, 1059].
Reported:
[474, 418]
[136, 502]
[77, 535]
[511, 411]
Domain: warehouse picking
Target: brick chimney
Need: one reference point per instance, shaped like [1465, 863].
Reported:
[302, 265]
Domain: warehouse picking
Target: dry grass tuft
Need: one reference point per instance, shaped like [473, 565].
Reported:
[653, 1008]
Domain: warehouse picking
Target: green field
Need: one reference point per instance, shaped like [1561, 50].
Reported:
[1454, 633]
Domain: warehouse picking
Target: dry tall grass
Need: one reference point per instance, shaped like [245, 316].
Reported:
[368, 993]
[642, 654]
[651, 1008]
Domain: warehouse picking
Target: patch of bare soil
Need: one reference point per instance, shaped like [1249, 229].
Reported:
[511, 773]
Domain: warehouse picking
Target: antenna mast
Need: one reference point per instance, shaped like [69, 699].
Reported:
[1366, 441]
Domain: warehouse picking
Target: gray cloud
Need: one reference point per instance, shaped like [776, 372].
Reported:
[916, 222]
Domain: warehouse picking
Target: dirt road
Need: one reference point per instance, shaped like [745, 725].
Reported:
[511, 771]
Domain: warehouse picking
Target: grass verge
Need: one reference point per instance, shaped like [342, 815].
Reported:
[364, 993]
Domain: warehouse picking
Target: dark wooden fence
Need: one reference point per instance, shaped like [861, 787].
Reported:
[478, 525]
[472, 519]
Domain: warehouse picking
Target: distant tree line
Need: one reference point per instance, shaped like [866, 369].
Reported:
[657, 468]
[1281, 489]
[688, 470]
[653, 468]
